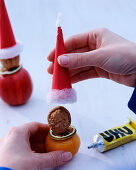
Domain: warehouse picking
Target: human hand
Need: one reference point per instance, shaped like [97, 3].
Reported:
[98, 53]
[23, 148]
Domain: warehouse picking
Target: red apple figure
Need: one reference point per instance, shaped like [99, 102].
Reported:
[16, 88]
[15, 82]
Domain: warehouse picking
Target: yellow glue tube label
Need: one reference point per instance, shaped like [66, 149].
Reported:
[119, 135]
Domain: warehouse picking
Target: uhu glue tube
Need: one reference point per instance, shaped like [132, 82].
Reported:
[114, 137]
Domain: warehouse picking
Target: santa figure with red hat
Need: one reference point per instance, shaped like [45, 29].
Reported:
[15, 82]
[62, 91]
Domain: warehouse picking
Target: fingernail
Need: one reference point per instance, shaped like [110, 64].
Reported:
[66, 156]
[64, 60]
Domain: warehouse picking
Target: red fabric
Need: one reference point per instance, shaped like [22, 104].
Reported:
[7, 38]
[61, 78]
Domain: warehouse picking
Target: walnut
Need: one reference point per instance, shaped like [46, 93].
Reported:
[59, 120]
[9, 64]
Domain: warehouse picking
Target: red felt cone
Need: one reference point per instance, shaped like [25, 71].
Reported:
[9, 48]
[61, 79]
[62, 91]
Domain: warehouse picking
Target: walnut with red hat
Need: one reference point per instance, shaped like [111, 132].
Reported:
[15, 81]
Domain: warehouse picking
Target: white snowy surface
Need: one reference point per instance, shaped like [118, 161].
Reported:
[101, 104]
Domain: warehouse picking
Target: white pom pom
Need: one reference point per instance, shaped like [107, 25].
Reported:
[59, 20]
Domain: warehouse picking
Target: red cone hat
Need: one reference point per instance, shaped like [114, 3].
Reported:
[61, 79]
[62, 91]
[9, 48]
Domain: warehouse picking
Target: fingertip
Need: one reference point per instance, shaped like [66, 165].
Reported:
[60, 157]
[50, 58]
[47, 126]
[51, 55]
[54, 159]
[50, 68]
[66, 156]
[49, 71]
[63, 60]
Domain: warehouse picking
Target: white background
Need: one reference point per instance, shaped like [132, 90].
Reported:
[102, 104]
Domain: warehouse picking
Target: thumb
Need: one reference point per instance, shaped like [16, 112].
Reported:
[77, 60]
[52, 159]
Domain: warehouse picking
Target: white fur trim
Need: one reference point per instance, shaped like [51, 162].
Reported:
[11, 52]
[64, 96]
[59, 20]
